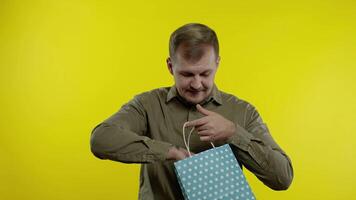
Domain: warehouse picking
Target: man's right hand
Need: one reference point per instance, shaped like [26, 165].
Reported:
[175, 153]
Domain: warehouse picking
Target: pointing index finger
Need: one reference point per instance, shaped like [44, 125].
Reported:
[197, 122]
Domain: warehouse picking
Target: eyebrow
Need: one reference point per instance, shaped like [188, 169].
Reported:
[189, 72]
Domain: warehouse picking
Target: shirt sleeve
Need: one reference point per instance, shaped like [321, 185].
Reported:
[122, 137]
[259, 153]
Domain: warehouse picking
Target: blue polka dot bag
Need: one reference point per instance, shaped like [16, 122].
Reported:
[212, 174]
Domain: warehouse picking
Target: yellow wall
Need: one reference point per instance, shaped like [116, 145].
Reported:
[66, 65]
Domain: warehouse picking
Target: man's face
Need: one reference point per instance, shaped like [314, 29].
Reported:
[194, 80]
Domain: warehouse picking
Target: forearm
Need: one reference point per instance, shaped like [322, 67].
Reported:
[109, 141]
[263, 158]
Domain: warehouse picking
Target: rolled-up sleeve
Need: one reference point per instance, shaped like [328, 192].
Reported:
[122, 137]
[259, 153]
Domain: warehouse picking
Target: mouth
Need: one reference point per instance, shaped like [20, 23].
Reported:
[194, 92]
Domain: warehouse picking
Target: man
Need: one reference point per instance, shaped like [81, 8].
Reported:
[148, 129]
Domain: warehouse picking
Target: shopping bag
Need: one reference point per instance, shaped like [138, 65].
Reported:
[212, 174]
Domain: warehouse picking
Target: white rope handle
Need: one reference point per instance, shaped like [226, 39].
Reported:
[187, 143]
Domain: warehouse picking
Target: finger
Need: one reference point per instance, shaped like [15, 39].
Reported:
[203, 110]
[205, 138]
[186, 153]
[202, 127]
[197, 122]
[205, 133]
[181, 155]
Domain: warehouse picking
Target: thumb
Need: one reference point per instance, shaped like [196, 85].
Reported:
[186, 152]
[203, 110]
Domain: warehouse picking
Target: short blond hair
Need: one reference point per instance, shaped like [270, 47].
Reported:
[193, 36]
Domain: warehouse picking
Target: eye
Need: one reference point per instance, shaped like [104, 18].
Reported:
[206, 74]
[186, 74]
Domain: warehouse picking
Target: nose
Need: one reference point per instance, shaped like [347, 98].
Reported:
[196, 83]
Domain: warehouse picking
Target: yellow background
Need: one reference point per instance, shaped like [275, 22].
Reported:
[66, 65]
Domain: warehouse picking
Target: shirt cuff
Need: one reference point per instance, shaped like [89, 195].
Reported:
[158, 150]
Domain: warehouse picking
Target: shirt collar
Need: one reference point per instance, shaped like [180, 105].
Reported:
[214, 95]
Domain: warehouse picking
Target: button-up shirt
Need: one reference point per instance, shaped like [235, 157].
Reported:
[144, 129]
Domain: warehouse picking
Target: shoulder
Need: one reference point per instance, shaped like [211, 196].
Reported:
[234, 101]
[238, 105]
[151, 96]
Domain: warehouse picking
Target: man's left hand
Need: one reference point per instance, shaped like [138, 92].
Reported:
[213, 126]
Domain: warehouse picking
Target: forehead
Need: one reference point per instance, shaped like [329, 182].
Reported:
[206, 62]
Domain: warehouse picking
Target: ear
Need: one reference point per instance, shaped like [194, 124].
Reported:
[169, 65]
[218, 61]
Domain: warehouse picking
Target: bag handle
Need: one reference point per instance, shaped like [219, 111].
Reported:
[187, 143]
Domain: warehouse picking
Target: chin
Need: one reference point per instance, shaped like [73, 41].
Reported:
[194, 100]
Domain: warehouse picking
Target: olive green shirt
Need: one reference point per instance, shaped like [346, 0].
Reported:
[145, 128]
